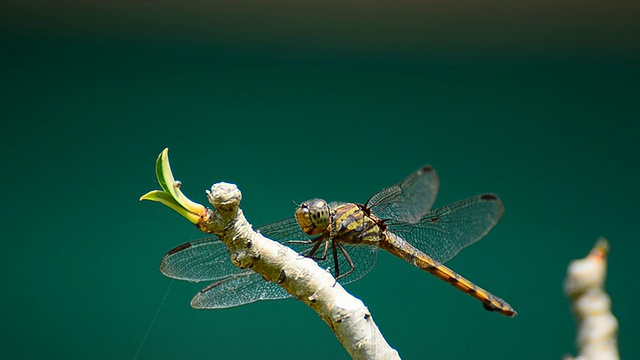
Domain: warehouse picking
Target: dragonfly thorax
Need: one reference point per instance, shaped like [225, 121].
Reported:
[313, 216]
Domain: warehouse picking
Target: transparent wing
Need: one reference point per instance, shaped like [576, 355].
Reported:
[283, 230]
[242, 288]
[200, 260]
[443, 232]
[207, 259]
[409, 200]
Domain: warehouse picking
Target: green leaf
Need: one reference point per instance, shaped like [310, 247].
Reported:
[166, 199]
[163, 160]
[171, 195]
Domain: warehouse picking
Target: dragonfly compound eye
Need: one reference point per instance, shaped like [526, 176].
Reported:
[313, 216]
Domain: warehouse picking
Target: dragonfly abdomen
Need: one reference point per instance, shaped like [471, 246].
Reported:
[402, 249]
[489, 301]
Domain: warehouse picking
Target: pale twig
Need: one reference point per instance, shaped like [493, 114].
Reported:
[584, 285]
[301, 277]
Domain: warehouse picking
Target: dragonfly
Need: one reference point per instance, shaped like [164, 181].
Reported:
[345, 237]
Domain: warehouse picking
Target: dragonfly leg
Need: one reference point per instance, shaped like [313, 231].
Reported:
[319, 242]
[324, 253]
[306, 242]
[303, 242]
[315, 248]
[336, 264]
[346, 256]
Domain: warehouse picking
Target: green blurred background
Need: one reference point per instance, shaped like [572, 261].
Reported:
[535, 101]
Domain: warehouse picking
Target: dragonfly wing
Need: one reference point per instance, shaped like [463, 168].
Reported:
[208, 259]
[364, 258]
[200, 260]
[443, 232]
[408, 200]
[238, 289]
[283, 230]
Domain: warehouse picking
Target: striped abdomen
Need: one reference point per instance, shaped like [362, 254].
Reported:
[400, 248]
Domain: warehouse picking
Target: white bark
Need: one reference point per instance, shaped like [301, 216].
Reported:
[301, 277]
[584, 285]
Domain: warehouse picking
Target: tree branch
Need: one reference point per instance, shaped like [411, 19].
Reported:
[301, 277]
[584, 285]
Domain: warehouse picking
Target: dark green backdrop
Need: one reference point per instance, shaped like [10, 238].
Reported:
[299, 102]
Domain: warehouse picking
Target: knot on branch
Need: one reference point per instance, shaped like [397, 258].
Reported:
[224, 197]
[588, 274]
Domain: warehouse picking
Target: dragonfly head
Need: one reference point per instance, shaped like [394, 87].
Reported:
[313, 216]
